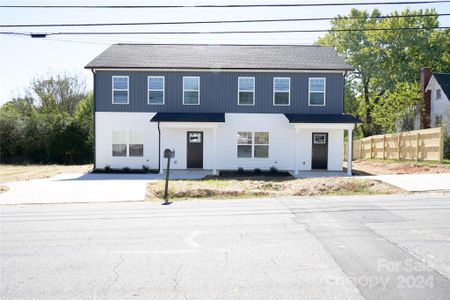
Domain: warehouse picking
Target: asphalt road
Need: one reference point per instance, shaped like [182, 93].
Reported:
[389, 247]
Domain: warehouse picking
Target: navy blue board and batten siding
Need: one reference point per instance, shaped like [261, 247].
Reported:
[219, 93]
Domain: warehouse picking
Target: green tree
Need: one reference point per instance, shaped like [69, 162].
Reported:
[382, 59]
[398, 108]
[53, 123]
[58, 93]
[12, 132]
[357, 49]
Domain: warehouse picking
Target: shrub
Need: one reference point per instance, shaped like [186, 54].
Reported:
[257, 170]
[107, 169]
[145, 168]
[240, 170]
[273, 169]
[126, 169]
[447, 146]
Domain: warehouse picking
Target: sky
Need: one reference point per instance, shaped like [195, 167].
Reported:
[22, 58]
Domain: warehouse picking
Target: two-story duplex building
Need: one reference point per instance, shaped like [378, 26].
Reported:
[220, 107]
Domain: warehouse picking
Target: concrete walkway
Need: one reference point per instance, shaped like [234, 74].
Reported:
[407, 182]
[74, 188]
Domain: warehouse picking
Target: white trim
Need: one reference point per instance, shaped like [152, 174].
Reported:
[218, 70]
[297, 149]
[127, 90]
[215, 150]
[197, 77]
[349, 152]
[289, 91]
[253, 91]
[324, 91]
[156, 90]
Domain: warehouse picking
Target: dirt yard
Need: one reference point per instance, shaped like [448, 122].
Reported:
[219, 188]
[384, 167]
[10, 173]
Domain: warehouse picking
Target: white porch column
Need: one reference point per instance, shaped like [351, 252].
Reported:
[349, 152]
[161, 159]
[297, 147]
[215, 150]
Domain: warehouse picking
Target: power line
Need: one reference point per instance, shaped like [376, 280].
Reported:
[159, 40]
[217, 21]
[231, 5]
[45, 34]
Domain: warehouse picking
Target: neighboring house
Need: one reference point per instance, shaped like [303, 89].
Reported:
[220, 107]
[439, 86]
[436, 95]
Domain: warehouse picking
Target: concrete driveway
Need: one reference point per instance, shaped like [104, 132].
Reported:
[417, 182]
[74, 188]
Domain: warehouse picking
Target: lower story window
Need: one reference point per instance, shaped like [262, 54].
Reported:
[119, 143]
[261, 142]
[244, 144]
[134, 144]
[252, 144]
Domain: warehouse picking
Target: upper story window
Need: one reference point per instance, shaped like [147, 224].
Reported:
[155, 89]
[191, 90]
[438, 94]
[120, 89]
[281, 91]
[438, 121]
[246, 91]
[316, 95]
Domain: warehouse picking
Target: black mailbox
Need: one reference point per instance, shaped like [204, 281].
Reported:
[169, 153]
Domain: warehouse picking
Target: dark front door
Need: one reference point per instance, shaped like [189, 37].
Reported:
[319, 151]
[195, 149]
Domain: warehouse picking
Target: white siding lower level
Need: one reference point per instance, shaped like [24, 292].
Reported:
[223, 154]
[107, 122]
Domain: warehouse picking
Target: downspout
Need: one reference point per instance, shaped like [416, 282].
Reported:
[95, 129]
[343, 94]
[159, 149]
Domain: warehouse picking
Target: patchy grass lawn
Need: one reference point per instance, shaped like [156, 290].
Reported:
[383, 167]
[218, 188]
[10, 173]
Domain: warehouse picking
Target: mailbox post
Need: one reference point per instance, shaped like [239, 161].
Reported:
[168, 153]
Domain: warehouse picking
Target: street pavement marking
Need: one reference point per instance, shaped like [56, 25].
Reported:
[190, 240]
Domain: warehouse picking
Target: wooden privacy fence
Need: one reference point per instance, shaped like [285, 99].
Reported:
[425, 144]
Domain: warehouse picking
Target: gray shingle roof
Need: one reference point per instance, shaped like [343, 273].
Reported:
[285, 57]
[444, 81]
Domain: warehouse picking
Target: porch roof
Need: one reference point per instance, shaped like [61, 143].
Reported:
[189, 117]
[322, 118]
